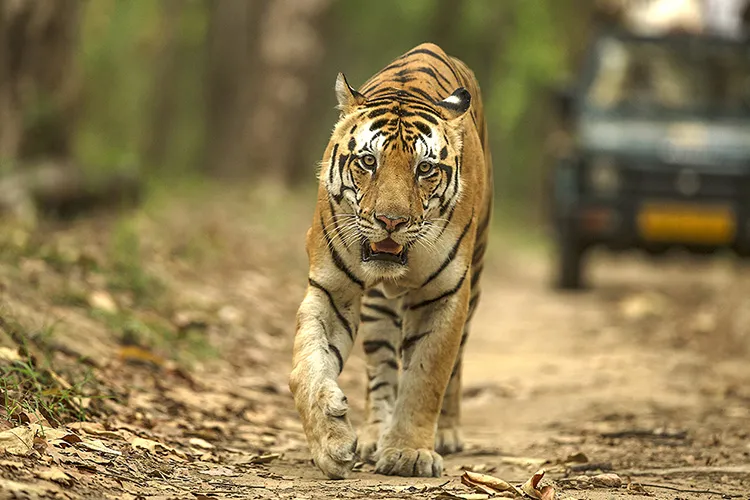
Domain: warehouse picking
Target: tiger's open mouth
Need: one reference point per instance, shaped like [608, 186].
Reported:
[385, 250]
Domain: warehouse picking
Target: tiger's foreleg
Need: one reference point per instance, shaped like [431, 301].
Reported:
[326, 324]
[448, 438]
[432, 334]
[380, 327]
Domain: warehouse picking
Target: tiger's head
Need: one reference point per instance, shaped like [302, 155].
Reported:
[396, 163]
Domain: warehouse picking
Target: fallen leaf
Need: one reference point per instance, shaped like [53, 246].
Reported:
[478, 468]
[156, 447]
[523, 461]
[201, 443]
[577, 458]
[57, 475]
[530, 487]
[264, 459]
[21, 440]
[17, 441]
[135, 354]
[219, 471]
[25, 489]
[10, 464]
[95, 429]
[489, 484]
[606, 480]
[9, 355]
[445, 495]
[103, 301]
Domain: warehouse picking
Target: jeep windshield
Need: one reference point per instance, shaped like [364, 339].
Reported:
[671, 77]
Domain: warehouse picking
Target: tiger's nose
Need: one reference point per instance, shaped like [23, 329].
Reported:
[391, 223]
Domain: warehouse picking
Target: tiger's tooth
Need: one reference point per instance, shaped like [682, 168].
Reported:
[373, 247]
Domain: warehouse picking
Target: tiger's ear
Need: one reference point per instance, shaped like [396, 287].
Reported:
[347, 97]
[456, 104]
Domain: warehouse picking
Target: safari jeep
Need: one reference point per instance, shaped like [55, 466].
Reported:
[660, 154]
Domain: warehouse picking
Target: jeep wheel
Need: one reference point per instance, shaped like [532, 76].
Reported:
[570, 253]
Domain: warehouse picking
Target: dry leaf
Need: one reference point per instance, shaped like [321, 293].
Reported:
[530, 487]
[22, 439]
[523, 461]
[445, 495]
[57, 475]
[264, 459]
[103, 301]
[95, 429]
[606, 480]
[488, 484]
[9, 355]
[25, 489]
[201, 443]
[156, 447]
[10, 464]
[17, 441]
[219, 471]
[137, 354]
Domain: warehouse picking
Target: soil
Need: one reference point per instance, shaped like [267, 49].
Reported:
[642, 376]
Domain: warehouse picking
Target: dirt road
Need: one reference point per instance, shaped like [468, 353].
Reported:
[637, 377]
[550, 375]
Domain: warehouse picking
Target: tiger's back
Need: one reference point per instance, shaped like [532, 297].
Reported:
[396, 252]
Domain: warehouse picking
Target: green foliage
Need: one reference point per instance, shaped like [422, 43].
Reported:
[517, 49]
[127, 272]
[29, 386]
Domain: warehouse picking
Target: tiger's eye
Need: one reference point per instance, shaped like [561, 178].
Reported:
[368, 161]
[425, 168]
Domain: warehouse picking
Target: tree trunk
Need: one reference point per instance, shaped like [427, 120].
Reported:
[39, 86]
[232, 68]
[290, 50]
[163, 96]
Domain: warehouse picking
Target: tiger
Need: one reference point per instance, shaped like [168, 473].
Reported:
[395, 251]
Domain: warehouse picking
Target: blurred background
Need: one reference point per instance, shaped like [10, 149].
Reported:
[202, 122]
[244, 89]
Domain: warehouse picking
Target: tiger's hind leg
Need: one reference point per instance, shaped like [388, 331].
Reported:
[380, 328]
[448, 438]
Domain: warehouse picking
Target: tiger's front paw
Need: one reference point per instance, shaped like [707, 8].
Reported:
[409, 462]
[330, 436]
[368, 442]
[448, 440]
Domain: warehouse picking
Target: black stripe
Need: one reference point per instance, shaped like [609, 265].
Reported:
[341, 318]
[333, 163]
[379, 385]
[364, 318]
[338, 356]
[439, 58]
[441, 296]
[374, 292]
[451, 255]
[476, 273]
[425, 129]
[371, 346]
[464, 337]
[473, 302]
[410, 341]
[478, 252]
[379, 123]
[428, 117]
[431, 72]
[448, 219]
[383, 309]
[337, 257]
[392, 363]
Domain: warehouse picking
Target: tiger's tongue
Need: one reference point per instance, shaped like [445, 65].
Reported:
[386, 246]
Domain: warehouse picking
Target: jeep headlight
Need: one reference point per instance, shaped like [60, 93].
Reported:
[604, 177]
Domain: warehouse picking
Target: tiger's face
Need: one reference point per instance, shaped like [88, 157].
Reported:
[397, 167]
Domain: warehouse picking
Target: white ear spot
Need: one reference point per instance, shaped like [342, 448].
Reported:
[452, 99]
